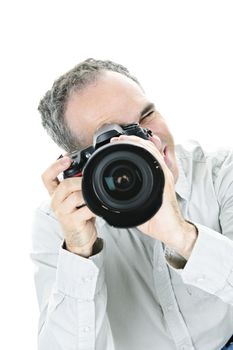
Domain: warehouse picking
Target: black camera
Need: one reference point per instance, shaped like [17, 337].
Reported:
[121, 182]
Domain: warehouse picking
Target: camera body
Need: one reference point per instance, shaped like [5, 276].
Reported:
[121, 182]
[102, 137]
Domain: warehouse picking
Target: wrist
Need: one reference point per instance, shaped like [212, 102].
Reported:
[85, 250]
[188, 233]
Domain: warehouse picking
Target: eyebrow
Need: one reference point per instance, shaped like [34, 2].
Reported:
[147, 109]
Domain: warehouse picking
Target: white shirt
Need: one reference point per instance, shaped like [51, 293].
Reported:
[134, 294]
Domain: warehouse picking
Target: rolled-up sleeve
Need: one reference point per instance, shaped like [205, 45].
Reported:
[71, 293]
[210, 266]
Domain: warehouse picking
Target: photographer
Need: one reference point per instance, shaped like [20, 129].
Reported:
[164, 284]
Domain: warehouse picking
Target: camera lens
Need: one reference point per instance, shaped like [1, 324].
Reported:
[123, 183]
[118, 182]
[122, 180]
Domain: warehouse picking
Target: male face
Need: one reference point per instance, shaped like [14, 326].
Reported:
[115, 98]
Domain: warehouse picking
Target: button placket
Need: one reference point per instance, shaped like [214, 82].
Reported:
[168, 302]
[87, 279]
[86, 329]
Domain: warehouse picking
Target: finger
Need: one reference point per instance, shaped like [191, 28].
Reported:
[73, 202]
[49, 177]
[154, 139]
[65, 188]
[151, 145]
[157, 142]
[83, 214]
[77, 220]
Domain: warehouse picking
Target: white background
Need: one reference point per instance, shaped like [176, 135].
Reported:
[181, 51]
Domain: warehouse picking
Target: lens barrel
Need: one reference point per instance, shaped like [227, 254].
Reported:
[123, 183]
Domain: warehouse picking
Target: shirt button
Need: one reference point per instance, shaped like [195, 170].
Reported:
[200, 279]
[86, 329]
[169, 307]
[87, 279]
[159, 268]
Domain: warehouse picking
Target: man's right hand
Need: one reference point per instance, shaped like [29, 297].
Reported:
[77, 221]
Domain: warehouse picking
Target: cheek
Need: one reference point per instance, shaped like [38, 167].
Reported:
[170, 159]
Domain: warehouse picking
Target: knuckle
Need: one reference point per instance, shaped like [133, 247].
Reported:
[53, 205]
[74, 199]
[60, 215]
[71, 183]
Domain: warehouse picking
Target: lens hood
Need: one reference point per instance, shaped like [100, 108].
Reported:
[123, 183]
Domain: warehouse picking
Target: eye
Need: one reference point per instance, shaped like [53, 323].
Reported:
[146, 116]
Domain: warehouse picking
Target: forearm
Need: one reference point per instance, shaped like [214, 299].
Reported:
[184, 239]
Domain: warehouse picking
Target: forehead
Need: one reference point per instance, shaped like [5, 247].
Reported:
[112, 98]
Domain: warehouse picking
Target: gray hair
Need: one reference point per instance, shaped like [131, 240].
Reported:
[53, 105]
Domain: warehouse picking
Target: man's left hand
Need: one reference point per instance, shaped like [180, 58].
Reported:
[168, 224]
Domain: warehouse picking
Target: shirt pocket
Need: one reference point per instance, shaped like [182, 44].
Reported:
[196, 292]
[182, 289]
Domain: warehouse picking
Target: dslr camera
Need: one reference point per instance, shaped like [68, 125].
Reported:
[121, 182]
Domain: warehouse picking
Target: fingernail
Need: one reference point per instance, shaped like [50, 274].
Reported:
[114, 139]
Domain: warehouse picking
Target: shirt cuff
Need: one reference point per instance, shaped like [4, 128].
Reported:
[79, 277]
[210, 266]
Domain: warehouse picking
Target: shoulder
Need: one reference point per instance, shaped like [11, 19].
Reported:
[193, 153]
[46, 231]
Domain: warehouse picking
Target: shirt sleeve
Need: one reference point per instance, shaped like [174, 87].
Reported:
[210, 266]
[71, 292]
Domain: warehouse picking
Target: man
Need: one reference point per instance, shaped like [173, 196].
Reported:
[167, 284]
